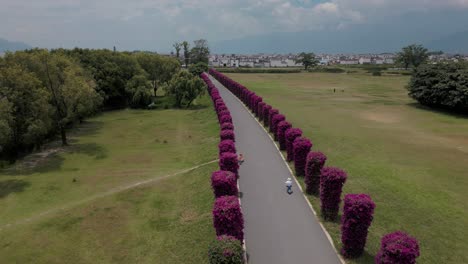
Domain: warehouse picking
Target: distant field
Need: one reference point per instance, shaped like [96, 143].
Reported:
[48, 217]
[412, 161]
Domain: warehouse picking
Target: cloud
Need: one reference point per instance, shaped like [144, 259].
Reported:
[161, 21]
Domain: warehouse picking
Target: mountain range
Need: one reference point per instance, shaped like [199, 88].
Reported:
[6, 45]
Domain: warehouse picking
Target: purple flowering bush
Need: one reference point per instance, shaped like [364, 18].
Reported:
[291, 134]
[227, 126]
[224, 183]
[281, 128]
[226, 250]
[398, 248]
[274, 124]
[228, 218]
[228, 162]
[227, 134]
[331, 185]
[358, 211]
[225, 119]
[272, 114]
[226, 146]
[266, 114]
[314, 164]
[260, 110]
[301, 147]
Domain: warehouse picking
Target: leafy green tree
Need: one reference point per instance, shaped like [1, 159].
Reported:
[25, 112]
[199, 68]
[185, 88]
[140, 90]
[200, 51]
[412, 55]
[159, 69]
[186, 46]
[307, 59]
[177, 46]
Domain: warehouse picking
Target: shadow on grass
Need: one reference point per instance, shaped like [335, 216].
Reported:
[366, 258]
[12, 186]
[442, 111]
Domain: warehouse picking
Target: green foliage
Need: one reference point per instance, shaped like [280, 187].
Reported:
[307, 59]
[140, 90]
[186, 47]
[177, 46]
[327, 69]
[226, 250]
[199, 68]
[158, 68]
[412, 55]
[200, 52]
[185, 88]
[441, 85]
[257, 70]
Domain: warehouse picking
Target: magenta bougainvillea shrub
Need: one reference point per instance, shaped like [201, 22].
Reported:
[223, 112]
[266, 115]
[256, 100]
[228, 162]
[228, 218]
[225, 119]
[314, 164]
[260, 110]
[398, 248]
[223, 108]
[224, 183]
[272, 114]
[358, 211]
[227, 134]
[291, 134]
[227, 126]
[274, 124]
[301, 147]
[226, 250]
[281, 133]
[226, 146]
[331, 185]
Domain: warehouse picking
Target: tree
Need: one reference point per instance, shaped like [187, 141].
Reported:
[186, 46]
[199, 68]
[158, 68]
[412, 55]
[140, 90]
[307, 59]
[185, 88]
[177, 46]
[200, 51]
[25, 112]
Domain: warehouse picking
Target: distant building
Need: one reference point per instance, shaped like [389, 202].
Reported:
[349, 62]
[365, 60]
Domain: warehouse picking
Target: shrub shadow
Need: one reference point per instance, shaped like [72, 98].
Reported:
[12, 186]
[435, 110]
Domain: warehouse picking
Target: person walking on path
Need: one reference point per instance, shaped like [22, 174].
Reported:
[289, 185]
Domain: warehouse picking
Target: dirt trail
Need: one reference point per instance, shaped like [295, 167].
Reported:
[101, 195]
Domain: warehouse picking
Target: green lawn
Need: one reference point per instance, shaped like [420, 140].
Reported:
[67, 206]
[411, 160]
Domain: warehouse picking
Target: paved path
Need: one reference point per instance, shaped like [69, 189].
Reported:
[279, 228]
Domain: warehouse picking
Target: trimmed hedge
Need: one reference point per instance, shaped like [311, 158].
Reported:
[281, 133]
[314, 164]
[271, 115]
[331, 185]
[226, 146]
[225, 119]
[291, 134]
[226, 250]
[260, 110]
[227, 134]
[358, 211]
[398, 248]
[266, 114]
[274, 124]
[228, 162]
[228, 218]
[227, 126]
[301, 147]
[224, 183]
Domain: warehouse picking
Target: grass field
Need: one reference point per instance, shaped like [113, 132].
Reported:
[79, 205]
[411, 160]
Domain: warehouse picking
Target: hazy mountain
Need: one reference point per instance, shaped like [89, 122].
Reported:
[6, 45]
[436, 33]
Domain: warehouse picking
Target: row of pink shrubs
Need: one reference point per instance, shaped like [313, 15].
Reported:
[325, 182]
[228, 219]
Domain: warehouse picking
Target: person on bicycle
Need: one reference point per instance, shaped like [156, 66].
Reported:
[289, 184]
[240, 159]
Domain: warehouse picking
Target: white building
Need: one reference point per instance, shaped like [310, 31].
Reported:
[349, 62]
[365, 60]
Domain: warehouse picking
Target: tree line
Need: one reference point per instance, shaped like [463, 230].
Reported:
[43, 93]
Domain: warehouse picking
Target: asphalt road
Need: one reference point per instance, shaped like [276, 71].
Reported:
[279, 228]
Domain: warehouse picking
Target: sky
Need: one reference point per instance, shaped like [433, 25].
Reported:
[157, 24]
